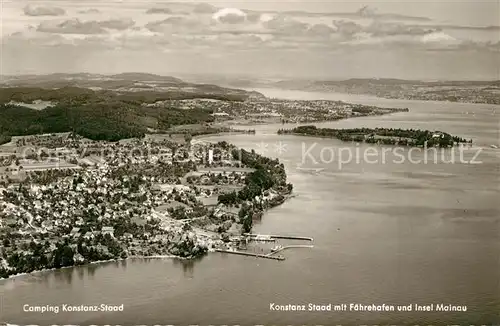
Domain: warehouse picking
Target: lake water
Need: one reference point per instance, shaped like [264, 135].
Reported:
[384, 233]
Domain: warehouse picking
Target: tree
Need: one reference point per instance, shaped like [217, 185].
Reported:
[228, 199]
[63, 256]
[247, 224]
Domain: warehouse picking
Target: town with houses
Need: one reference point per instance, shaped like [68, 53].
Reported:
[66, 200]
[269, 110]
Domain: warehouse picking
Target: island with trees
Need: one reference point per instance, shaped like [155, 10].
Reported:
[384, 136]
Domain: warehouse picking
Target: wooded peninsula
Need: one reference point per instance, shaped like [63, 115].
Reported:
[384, 136]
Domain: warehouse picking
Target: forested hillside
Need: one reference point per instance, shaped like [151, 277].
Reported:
[98, 115]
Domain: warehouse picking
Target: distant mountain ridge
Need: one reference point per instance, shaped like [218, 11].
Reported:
[453, 91]
[146, 77]
[126, 82]
[304, 83]
[394, 81]
[465, 91]
[130, 76]
[309, 84]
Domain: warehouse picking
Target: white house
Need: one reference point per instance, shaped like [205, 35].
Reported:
[108, 230]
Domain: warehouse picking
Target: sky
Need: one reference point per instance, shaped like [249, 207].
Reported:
[331, 39]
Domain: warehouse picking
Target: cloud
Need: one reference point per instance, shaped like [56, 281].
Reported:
[159, 11]
[89, 11]
[433, 41]
[237, 42]
[493, 46]
[347, 28]
[175, 24]
[230, 16]
[137, 38]
[366, 11]
[286, 25]
[118, 24]
[31, 37]
[204, 8]
[458, 27]
[253, 16]
[320, 30]
[439, 37]
[232, 19]
[30, 10]
[464, 46]
[371, 12]
[76, 26]
[265, 17]
[378, 28]
[203, 26]
[183, 8]
[362, 13]
[73, 26]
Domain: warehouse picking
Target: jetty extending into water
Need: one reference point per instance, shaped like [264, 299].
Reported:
[267, 238]
[244, 253]
[289, 247]
[272, 236]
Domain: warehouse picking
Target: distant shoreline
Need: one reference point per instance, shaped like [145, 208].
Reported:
[414, 92]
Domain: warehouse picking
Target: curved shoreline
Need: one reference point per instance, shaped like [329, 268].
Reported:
[14, 276]
[97, 262]
[285, 197]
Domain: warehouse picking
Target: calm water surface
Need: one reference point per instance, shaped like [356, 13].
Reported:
[383, 233]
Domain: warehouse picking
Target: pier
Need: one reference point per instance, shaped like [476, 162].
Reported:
[244, 253]
[266, 238]
[290, 247]
[271, 236]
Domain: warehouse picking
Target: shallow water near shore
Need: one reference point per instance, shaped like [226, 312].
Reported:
[394, 234]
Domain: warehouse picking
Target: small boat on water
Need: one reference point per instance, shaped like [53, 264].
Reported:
[494, 146]
[276, 248]
[310, 170]
[262, 237]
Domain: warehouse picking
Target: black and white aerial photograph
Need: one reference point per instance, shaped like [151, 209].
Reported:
[250, 162]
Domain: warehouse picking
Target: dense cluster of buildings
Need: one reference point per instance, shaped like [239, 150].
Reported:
[275, 110]
[135, 196]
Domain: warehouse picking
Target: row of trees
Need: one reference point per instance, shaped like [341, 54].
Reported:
[42, 256]
[64, 93]
[268, 174]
